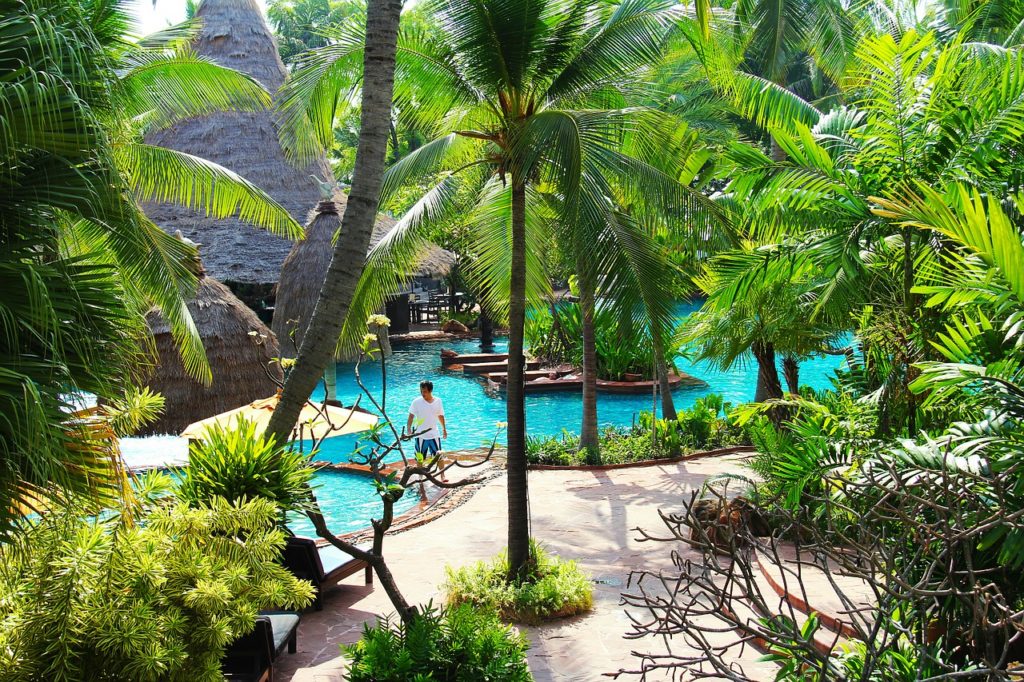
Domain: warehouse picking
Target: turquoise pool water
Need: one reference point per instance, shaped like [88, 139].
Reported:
[348, 502]
[472, 412]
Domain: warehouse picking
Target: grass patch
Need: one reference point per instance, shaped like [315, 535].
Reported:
[556, 588]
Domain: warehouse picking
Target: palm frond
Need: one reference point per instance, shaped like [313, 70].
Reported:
[164, 175]
[167, 87]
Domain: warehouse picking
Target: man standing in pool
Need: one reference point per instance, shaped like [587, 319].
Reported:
[424, 415]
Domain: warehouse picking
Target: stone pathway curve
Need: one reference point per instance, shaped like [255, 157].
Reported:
[586, 515]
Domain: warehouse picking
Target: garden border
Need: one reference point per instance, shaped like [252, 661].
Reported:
[700, 454]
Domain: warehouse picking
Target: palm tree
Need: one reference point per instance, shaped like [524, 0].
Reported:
[329, 316]
[507, 84]
[80, 263]
[772, 318]
[903, 126]
[762, 51]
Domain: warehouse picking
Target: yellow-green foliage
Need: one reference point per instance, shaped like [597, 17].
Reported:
[157, 597]
[239, 463]
[554, 589]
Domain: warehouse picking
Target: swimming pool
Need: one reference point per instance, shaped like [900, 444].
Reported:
[348, 502]
[472, 412]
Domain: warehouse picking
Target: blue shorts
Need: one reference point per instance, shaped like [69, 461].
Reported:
[428, 447]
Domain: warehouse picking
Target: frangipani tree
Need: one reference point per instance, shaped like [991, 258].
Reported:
[526, 97]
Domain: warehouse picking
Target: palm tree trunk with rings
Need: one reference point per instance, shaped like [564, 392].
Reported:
[589, 442]
[768, 385]
[791, 372]
[668, 405]
[518, 495]
[321, 337]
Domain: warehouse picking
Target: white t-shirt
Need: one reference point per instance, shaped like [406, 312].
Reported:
[424, 417]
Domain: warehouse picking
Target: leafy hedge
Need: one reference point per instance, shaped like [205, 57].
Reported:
[705, 425]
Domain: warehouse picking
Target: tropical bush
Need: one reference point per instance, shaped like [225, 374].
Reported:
[707, 424]
[153, 597]
[556, 335]
[617, 446]
[553, 588]
[455, 644]
[238, 463]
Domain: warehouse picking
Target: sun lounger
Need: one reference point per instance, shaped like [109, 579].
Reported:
[322, 566]
[251, 658]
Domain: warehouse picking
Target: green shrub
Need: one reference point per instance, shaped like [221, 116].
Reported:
[158, 597]
[705, 425]
[240, 464]
[554, 588]
[467, 318]
[560, 450]
[617, 446]
[456, 644]
[621, 348]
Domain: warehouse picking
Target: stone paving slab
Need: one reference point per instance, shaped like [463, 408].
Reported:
[586, 515]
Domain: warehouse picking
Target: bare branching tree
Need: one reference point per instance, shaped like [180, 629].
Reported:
[911, 553]
[392, 478]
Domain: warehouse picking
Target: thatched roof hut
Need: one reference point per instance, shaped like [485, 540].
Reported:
[239, 360]
[234, 34]
[303, 272]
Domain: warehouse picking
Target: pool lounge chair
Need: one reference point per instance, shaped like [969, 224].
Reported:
[251, 658]
[322, 566]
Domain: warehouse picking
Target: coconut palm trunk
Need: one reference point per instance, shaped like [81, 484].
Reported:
[518, 495]
[791, 372]
[668, 405]
[486, 329]
[589, 442]
[318, 344]
[768, 385]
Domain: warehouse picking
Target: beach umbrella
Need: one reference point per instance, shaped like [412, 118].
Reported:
[316, 421]
[241, 350]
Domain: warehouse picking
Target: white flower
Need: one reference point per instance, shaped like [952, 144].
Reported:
[369, 339]
[378, 321]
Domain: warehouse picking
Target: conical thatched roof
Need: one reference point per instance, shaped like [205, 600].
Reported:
[303, 272]
[239, 360]
[234, 34]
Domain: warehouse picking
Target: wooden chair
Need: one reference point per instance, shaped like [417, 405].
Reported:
[250, 658]
[322, 566]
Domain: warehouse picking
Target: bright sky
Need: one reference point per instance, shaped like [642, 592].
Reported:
[164, 13]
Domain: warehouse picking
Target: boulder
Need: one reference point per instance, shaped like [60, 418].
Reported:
[454, 327]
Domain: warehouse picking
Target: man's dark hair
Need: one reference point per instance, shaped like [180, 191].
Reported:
[429, 385]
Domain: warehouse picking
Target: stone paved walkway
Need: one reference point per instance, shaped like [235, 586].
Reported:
[585, 515]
